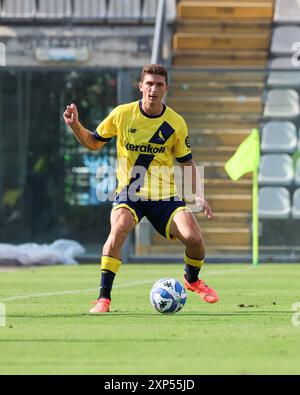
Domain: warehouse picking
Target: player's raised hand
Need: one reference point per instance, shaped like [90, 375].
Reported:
[201, 202]
[207, 210]
[71, 115]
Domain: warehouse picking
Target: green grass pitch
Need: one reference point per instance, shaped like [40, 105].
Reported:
[249, 331]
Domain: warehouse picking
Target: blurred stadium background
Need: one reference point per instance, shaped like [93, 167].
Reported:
[234, 65]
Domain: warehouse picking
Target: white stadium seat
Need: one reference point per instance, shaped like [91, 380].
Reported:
[18, 9]
[124, 11]
[284, 38]
[286, 76]
[282, 103]
[296, 204]
[297, 172]
[279, 136]
[150, 9]
[54, 9]
[90, 9]
[287, 11]
[274, 202]
[276, 169]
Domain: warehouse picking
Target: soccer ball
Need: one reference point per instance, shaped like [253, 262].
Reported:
[168, 295]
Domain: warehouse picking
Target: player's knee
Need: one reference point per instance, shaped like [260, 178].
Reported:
[118, 234]
[122, 221]
[195, 241]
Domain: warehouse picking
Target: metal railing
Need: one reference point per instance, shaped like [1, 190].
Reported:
[160, 27]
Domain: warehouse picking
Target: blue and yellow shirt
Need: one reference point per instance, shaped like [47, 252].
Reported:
[148, 142]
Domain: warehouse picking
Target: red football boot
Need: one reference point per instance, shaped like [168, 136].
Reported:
[102, 306]
[207, 294]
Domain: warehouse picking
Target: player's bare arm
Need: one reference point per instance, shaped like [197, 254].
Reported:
[196, 183]
[83, 135]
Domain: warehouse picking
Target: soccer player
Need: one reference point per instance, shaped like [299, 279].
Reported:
[149, 136]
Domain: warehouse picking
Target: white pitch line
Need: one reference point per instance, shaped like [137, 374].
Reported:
[72, 292]
[42, 295]
[125, 285]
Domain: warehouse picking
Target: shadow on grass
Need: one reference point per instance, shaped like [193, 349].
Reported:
[157, 315]
[87, 340]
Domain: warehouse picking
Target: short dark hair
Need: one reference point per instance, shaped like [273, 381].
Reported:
[157, 69]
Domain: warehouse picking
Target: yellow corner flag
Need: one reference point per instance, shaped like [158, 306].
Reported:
[246, 157]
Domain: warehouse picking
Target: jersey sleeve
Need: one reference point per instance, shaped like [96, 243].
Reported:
[182, 148]
[108, 127]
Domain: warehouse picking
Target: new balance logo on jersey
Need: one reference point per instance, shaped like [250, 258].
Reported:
[132, 130]
[147, 149]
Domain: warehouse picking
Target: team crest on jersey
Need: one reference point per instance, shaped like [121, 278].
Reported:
[187, 142]
[163, 133]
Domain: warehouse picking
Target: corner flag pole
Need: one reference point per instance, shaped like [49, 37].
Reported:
[255, 235]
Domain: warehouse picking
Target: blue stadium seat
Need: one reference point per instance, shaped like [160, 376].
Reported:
[284, 38]
[90, 9]
[282, 103]
[286, 76]
[279, 136]
[124, 11]
[296, 204]
[18, 9]
[276, 169]
[150, 9]
[54, 9]
[274, 202]
[287, 11]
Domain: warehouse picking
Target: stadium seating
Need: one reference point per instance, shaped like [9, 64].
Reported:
[282, 103]
[286, 76]
[279, 136]
[287, 11]
[284, 38]
[18, 9]
[296, 204]
[226, 10]
[150, 8]
[221, 41]
[297, 172]
[276, 169]
[227, 33]
[125, 11]
[89, 9]
[274, 202]
[54, 9]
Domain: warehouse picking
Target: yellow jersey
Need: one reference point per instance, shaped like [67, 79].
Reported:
[146, 147]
